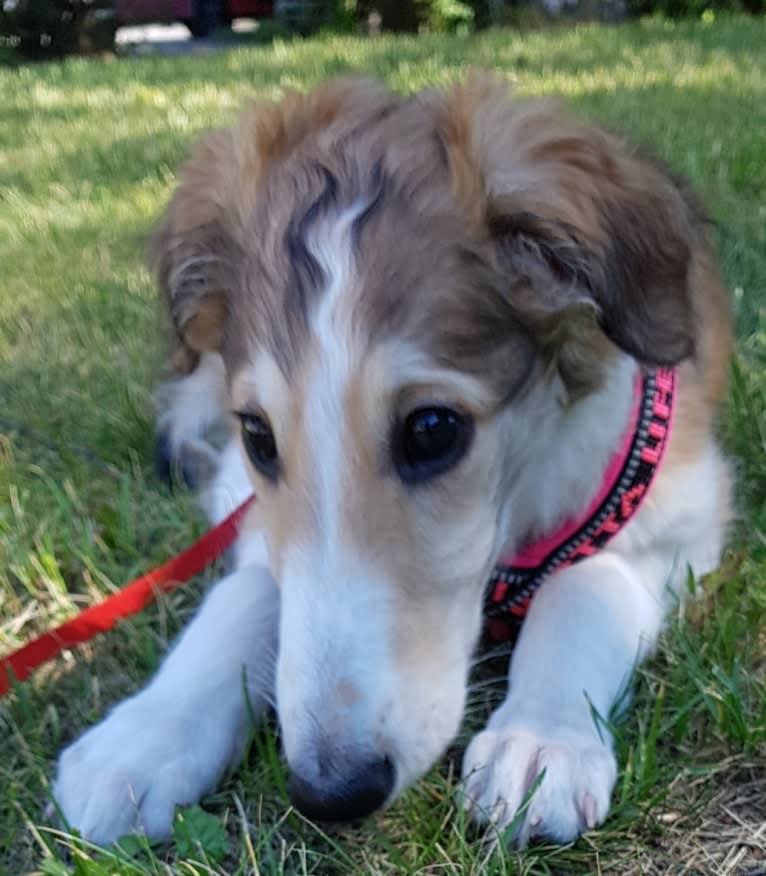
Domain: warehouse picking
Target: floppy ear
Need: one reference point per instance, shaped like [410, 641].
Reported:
[576, 210]
[200, 242]
[194, 250]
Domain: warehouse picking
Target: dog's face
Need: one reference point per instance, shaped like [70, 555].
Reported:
[373, 436]
[407, 294]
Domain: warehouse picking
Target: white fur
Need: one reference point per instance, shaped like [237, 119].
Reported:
[323, 586]
[335, 603]
[171, 742]
[569, 448]
[229, 488]
[189, 407]
[331, 246]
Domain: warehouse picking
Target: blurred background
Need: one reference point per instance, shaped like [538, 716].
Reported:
[52, 28]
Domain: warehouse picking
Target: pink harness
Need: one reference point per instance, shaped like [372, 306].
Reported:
[626, 482]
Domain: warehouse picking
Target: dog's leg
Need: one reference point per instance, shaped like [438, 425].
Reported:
[587, 628]
[171, 742]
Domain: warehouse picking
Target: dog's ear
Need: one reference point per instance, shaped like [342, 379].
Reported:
[575, 210]
[194, 250]
[200, 242]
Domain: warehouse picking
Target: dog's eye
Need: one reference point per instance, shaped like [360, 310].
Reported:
[261, 447]
[429, 442]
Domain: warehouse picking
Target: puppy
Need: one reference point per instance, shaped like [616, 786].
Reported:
[436, 332]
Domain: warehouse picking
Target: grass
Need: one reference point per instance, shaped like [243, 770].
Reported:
[87, 156]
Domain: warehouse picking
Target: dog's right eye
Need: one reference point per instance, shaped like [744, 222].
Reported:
[260, 444]
[429, 442]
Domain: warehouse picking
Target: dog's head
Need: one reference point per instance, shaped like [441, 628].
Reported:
[411, 297]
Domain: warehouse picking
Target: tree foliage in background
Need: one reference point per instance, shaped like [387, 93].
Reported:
[409, 16]
[694, 8]
[52, 28]
[449, 14]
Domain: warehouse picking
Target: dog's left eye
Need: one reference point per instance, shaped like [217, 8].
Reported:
[260, 444]
[429, 442]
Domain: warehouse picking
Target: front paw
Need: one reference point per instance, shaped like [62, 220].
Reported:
[503, 763]
[128, 773]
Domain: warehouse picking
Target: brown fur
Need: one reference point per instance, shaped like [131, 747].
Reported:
[571, 238]
[601, 220]
[205, 231]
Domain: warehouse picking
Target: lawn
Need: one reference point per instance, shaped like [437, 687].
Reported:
[88, 151]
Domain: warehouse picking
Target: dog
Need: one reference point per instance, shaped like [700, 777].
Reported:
[424, 329]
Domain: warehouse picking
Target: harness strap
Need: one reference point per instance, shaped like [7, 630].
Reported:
[628, 477]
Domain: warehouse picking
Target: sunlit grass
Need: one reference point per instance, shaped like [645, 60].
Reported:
[87, 156]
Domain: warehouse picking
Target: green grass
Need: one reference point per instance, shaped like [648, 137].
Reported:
[87, 156]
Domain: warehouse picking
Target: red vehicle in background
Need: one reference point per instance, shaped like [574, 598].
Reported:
[202, 17]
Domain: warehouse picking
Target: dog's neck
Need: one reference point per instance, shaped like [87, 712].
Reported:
[569, 458]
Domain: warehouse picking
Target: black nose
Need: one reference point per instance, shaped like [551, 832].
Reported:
[363, 789]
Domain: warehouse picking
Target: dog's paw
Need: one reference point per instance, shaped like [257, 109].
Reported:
[503, 763]
[128, 773]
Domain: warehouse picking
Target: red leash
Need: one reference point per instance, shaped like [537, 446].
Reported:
[129, 600]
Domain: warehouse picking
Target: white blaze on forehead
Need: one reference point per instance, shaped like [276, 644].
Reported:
[333, 602]
[330, 243]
